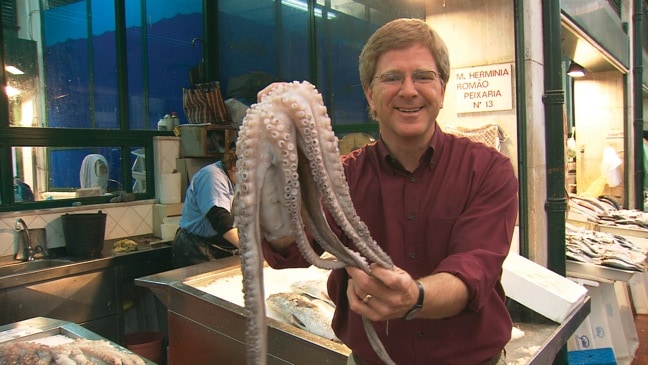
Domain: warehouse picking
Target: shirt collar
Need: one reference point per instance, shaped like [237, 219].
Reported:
[431, 157]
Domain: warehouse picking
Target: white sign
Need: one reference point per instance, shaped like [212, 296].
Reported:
[484, 88]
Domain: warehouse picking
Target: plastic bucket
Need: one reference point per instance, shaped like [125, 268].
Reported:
[84, 233]
[146, 344]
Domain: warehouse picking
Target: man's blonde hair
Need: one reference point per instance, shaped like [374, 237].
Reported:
[399, 34]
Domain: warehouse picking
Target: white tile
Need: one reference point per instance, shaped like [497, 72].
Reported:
[130, 222]
[123, 220]
[116, 213]
[7, 223]
[7, 235]
[116, 232]
[6, 244]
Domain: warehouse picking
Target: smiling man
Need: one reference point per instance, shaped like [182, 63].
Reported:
[443, 207]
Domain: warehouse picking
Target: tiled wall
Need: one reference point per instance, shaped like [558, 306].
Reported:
[123, 219]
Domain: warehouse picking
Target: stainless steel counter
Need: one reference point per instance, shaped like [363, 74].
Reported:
[90, 292]
[204, 328]
[156, 250]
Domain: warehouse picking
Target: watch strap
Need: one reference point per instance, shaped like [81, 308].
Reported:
[419, 302]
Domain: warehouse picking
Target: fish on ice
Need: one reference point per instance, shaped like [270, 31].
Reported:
[311, 315]
[315, 288]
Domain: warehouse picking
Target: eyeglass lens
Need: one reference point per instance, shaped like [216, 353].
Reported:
[393, 78]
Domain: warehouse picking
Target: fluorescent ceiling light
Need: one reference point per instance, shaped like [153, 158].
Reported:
[301, 5]
[14, 70]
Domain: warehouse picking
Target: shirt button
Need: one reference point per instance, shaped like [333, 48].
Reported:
[411, 216]
[412, 255]
[412, 179]
[420, 334]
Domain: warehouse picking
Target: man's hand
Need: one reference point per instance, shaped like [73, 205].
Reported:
[388, 294]
[385, 294]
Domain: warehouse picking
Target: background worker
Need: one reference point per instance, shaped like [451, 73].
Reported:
[207, 229]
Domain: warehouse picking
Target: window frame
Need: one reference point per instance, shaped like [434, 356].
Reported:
[124, 137]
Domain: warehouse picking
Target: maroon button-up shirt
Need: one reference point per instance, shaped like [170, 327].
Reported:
[455, 213]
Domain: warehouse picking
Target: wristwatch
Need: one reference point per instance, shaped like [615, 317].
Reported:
[418, 306]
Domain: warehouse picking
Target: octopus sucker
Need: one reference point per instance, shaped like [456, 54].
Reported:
[289, 164]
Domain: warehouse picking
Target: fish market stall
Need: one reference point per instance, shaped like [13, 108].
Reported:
[209, 328]
[207, 320]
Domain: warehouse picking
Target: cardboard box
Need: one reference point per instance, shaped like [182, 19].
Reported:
[540, 289]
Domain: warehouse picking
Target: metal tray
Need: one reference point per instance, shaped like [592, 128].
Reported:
[42, 327]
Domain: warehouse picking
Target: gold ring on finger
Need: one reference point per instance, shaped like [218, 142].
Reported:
[366, 299]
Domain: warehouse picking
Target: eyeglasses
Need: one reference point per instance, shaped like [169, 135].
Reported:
[397, 78]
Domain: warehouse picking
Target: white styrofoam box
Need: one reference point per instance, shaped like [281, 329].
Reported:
[639, 292]
[611, 318]
[594, 332]
[166, 150]
[610, 308]
[540, 289]
[169, 192]
[599, 320]
[582, 338]
[172, 220]
[168, 231]
[163, 211]
[622, 292]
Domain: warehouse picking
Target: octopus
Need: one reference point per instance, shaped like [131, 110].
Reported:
[79, 351]
[288, 167]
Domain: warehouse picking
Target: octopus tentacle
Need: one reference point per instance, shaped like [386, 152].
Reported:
[329, 175]
[318, 226]
[289, 163]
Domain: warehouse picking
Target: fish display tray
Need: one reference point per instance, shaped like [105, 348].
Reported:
[217, 320]
[624, 231]
[594, 272]
[228, 284]
[42, 329]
